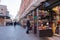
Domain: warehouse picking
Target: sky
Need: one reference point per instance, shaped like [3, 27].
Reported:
[12, 6]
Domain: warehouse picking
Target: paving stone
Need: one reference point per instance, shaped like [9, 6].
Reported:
[18, 33]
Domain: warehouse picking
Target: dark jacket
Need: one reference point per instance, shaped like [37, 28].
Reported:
[14, 23]
[28, 23]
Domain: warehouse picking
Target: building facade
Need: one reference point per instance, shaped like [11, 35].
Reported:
[43, 15]
[28, 5]
[3, 14]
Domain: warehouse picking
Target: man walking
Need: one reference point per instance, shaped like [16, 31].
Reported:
[28, 26]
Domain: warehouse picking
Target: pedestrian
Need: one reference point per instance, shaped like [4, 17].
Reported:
[14, 24]
[28, 26]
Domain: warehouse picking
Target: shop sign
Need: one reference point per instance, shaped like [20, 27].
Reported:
[35, 17]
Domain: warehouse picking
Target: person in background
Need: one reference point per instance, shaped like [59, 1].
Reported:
[14, 23]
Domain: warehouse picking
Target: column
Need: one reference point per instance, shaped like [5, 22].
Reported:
[4, 21]
[35, 22]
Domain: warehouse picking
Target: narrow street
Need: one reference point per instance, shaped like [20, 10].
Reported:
[40, 17]
[19, 33]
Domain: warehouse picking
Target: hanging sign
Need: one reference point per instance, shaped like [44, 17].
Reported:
[35, 17]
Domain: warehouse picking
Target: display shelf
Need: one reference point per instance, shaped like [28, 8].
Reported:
[43, 19]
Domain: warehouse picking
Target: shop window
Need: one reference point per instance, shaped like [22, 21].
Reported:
[43, 19]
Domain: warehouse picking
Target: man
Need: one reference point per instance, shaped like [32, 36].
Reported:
[28, 26]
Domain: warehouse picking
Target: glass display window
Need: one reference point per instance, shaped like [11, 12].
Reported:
[43, 22]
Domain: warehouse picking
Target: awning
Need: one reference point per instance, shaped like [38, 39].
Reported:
[7, 17]
[3, 16]
[52, 4]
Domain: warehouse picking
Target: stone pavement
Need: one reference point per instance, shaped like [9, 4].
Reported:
[18, 33]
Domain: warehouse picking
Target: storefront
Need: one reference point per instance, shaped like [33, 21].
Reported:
[57, 17]
[44, 27]
[53, 7]
[54, 10]
[44, 20]
[40, 20]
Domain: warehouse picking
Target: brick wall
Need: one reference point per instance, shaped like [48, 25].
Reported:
[24, 5]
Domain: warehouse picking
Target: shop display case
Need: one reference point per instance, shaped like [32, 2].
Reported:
[44, 24]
